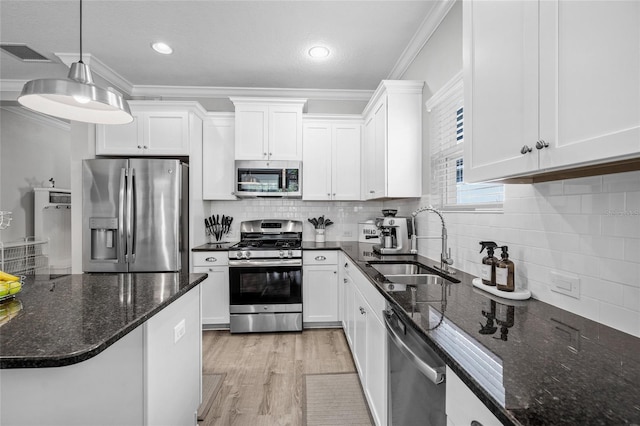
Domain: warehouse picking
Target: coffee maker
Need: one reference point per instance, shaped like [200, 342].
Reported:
[395, 235]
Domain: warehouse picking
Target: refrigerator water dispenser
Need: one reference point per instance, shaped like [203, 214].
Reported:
[104, 241]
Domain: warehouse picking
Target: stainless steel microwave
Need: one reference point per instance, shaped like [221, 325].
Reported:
[268, 178]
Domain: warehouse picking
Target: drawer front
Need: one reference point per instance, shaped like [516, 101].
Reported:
[210, 258]
[320, 257]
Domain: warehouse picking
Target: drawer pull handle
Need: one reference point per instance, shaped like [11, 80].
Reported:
[475, 423]
[211, 259]
[320, 258]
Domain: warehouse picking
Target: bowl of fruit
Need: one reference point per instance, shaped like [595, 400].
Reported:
[10, 285]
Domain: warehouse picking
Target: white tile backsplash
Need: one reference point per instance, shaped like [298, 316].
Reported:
[587, 227]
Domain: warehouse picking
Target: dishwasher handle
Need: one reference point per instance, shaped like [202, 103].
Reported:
[436, 375]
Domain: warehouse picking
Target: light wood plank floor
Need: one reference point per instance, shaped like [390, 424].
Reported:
[264, 373]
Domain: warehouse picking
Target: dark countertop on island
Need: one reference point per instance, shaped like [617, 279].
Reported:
[72, 318]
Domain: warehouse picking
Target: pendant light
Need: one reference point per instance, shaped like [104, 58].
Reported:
[77, 97]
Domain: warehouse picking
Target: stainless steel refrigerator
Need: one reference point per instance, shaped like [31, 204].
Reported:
[135, 215]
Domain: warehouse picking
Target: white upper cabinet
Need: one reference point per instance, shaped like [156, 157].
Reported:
[218, 153]
[331, 159]
[159, 128]
[392, 148]
[268, 128]
[549, 85]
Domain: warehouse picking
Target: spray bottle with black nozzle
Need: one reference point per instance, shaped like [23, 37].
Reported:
[505, 272]
[488, 263]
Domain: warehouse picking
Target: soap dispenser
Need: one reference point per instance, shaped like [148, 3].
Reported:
[489, 263]
[505, 272]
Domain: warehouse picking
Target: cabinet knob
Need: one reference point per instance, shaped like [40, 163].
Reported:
[372, 192]
[346, 265]
[525, 149]
[328, 194]
[264, 154]
[362, 311]
[270, 154]
[139, 146]
[345, 280]
[475, 423]
[211, 259]
[335, 272]
[541, 144]
[320, 258]
[145, 147]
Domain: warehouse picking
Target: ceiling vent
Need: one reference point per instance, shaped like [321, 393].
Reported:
[23, 52]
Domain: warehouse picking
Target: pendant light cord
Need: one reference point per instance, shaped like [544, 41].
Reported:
[81, 32]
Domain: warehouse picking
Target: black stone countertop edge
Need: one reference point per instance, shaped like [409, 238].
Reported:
[74, 357]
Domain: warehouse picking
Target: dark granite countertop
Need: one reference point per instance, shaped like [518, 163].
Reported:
[533, 364]
[214, 246]
[72, 318]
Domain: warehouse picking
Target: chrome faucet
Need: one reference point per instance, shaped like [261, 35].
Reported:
[445, 255]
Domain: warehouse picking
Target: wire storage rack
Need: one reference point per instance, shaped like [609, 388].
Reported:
[26, 257]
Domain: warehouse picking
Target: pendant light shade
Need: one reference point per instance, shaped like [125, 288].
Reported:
[76, 98]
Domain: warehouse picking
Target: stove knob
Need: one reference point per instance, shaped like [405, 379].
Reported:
[290, 254]
[239, 254]
[247, 254]
[281, 254]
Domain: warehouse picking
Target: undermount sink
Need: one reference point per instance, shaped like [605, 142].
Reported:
[410, 273]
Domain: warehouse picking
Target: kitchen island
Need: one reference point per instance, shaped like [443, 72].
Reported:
[103, 349]
[528, 362]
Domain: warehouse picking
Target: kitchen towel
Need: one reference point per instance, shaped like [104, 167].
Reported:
[334, 399]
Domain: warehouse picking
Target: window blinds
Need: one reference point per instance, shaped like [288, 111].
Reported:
[446, 121]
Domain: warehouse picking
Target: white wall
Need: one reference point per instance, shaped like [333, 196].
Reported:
[587, 228]
[33, 149]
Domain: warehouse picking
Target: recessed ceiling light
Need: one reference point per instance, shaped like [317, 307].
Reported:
[319, 52]
[161, 47]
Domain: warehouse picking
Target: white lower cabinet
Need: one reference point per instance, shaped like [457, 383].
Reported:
[463, 407]
[320, 288]
[215, 289]
[363, 325]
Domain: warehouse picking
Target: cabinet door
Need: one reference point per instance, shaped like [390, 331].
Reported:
[320, 293]
[122, 139]
[369, 159]
[218, 153]
[285, 132]
[166, 133]
[349, 311]
[380, 171]
[376, 373]
[590, 81]
[316, 163]
[500, 59]
[215, 295]
[252, 132]
[359, 349]
[463, 407]
[345, 173]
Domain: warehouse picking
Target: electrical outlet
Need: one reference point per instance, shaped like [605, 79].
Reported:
[565, 284]
[178, 331]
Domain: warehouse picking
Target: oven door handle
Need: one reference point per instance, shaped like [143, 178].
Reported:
[252, 263]
[433, 374]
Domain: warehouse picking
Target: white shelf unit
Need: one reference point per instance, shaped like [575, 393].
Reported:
[27, 257]
[52, 223]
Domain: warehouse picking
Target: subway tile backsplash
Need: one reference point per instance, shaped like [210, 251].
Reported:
[588, 228]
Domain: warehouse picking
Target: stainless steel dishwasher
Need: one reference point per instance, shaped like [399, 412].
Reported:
[416, 377]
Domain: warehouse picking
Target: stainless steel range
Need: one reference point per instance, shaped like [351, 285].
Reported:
[265, 277]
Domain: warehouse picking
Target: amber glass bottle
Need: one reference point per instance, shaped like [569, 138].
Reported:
[489, 263]
[505, 272]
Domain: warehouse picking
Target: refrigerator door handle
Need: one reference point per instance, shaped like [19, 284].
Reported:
[130, 218]
[122, 246]
[134, 214]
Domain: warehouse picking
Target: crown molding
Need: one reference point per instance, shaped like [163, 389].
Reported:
[40, 118]
[420, 38]
[226, 92]
[98, 67]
